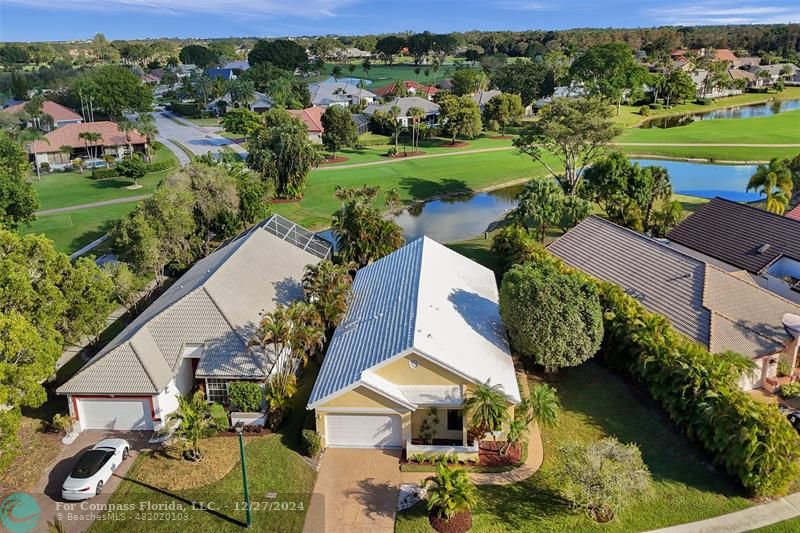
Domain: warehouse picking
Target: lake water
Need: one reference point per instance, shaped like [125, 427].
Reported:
[463, 217]
[351, 81]
[746, 111]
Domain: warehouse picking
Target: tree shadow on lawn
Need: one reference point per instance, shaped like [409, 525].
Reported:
[619, 408]
[518, 504]
[111, 183]
[89, 236]
[419, 188]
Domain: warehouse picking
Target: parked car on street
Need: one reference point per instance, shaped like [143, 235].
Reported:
[94, 468]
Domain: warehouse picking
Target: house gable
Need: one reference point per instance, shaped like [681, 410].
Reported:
[362, 398]
[426, 372]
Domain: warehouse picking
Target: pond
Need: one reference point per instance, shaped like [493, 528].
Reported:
[351, 81]
[747, 111]
[463, 217]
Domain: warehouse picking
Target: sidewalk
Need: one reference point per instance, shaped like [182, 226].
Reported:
[745, 520]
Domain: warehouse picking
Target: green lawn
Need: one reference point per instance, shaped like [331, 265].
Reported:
[629, 115]
[64, 189]
[415, 179]
[787, 526]
[381, 75]
[210, 121]
[597, 403]
[273, 465]
[710, 153]
[428, 146]
[72, 230]
[777, 129]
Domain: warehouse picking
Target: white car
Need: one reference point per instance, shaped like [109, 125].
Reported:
[94, 468]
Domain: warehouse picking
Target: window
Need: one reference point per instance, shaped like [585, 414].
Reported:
[217, 390]
[455, 420]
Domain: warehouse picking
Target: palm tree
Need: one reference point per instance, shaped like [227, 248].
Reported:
[65, 150]
[328, 287]
[450, 492]
[392, 198]
[280, 90]
[516, 432]
[205, 88]
[191, 422]
[416, 114]
[30, 136]
[274, 335]
[147, 127]
[91, 138]
[243, 92]
[394, 115]
[127, 127]
[541, 406]
[336, 72]
[487, 406]
[774, 181]
[366, 65]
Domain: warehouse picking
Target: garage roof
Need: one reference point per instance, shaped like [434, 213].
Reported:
[427, 299]
[217, 303]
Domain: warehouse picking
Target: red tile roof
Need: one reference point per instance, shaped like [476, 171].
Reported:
[409, 84]
[68, 136]
[794, 214]
[57, 111]
[720, 54]
[311, 117]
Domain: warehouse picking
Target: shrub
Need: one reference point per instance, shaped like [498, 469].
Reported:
[186, 109]
[220, 416]
[700, 393]
[104, 173]
[644, 111]
[391, 152]
[784, 368]
[160, 165]
[419, 458]
[62, 423]
[656, 106]
[705, 101]
[790, 390]
[600, 477]
[245, 396]
[312, 443]
[44, 167]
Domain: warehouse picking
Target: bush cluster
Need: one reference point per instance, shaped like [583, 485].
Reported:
[104, 173]
[160, 165]
[246, 396]
[750, 439]
[700, 392]
[644, 111]
[790, 390]
[186, 109]
[312, 443]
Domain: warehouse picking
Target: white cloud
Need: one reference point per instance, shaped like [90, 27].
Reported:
[232, 8]
[523, 5]
[724, 13]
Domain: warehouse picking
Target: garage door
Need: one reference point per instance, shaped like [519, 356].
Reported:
[122, 414]
[363, 431]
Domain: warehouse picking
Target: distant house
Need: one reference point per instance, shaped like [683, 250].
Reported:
[339, 93]
[718, 309]
[563, 91]
[794, 214]
[699, 77]
[746, 62]
[261, 103]
[413, 88]
[183, 71]
[61, 115]
[225, 74]
[482, 97]
[739, 74]
[350, 53]
[431, 109]
[738, 237]
[720, 54]
[312, 118]
[777, 71]
[113, 142]
[241, 64]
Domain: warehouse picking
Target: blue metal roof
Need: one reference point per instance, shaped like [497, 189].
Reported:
[379, 323]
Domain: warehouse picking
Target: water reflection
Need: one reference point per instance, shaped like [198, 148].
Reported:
[749, 111]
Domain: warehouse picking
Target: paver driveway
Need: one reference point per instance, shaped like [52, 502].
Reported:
[356, 491]
[74, 516]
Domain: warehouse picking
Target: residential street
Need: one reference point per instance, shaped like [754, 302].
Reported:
[197, 139]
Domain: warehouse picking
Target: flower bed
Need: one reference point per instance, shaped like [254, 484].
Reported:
[489, 454]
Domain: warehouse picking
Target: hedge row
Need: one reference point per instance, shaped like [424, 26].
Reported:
[186, 109]
[105, 173]
[700, 392]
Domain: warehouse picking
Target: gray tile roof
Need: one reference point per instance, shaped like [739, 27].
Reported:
[405, 103]
[719, 309]
[216, 303]
[426, 298]
[735, 233]
[327, 93]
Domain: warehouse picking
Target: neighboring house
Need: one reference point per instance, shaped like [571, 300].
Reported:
[746, 62]
[149, 79]
[482, 97]
[61, 115]
[422, 330]
[349, 53]
[261, 103]
[412, 87]
[312, 118]
[777, 71]
[225, 74]
[739, 74]
[720, 54]
[113, 142]
[339, 93]
[183, 71]
[196, 334]
[563, 91]
[719, 309]
[794, 214]
[736, 236]
[699, 78]
[431, 109]
[241, 64]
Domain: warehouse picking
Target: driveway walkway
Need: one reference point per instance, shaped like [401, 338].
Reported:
[356, 491]
[197, 139]
[48, 490]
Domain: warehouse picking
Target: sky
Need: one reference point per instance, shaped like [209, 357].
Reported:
[56, 20]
